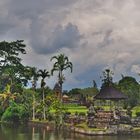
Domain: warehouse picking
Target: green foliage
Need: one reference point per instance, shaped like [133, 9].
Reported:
[12, 71]
[9, 52]
[74, 91]
[57, 108]
[43, 74]
[55, 104]
[15, 113]
[138, 114]
[107, 78]
[61, 64]
[1, 111]
[135, 109]
[130, 87]
[73, 108]
[83, 95]
[26, 98]
[90, 91]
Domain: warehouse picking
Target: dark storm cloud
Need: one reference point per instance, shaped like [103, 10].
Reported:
[35, 15]
[61, 37]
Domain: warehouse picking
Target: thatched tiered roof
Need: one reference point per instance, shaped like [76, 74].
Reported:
[110, 93]
[57, 88]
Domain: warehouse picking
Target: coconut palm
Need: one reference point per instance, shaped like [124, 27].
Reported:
[34, 76]
[61, 63]
[43, 74]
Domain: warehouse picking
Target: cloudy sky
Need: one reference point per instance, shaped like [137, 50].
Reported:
[94, 34]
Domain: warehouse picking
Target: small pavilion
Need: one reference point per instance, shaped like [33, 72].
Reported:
[110, 93]
[105, 118]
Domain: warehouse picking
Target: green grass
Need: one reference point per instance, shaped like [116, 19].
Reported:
[134, 110]
[80, 109]
[77, 109]
[85, 127]
[73, 108]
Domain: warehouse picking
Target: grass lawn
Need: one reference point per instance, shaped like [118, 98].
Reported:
[84, 109]
[77, 109]
[73, 108]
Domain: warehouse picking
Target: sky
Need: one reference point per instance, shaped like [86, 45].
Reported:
[94, 34]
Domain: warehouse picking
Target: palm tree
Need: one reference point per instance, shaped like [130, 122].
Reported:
[62, 63]
[43, 74]
[34, 76]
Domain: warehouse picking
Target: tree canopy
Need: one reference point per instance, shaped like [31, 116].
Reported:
[107, 78]
[130, 87]
[12, 71]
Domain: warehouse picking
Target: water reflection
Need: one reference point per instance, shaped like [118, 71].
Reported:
[12, 132]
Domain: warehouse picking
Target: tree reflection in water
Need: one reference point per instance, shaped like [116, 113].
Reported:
[13, 132]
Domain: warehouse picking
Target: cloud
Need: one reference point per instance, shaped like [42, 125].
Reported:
[135, 69]
[61, 37]
[94, 34]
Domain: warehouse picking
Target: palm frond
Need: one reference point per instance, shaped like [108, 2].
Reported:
[54, 57]
[54, 69]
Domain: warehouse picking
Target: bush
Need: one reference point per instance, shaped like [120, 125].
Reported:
[1, 111]
[15, 113]
[50, 116]
[67, 113]
[138, 114]
[82, 114]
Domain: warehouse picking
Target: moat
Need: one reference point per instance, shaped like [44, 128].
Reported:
[11, 132]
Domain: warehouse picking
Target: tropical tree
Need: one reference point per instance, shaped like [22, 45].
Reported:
[61, 63]
[11, 68]
[6, 97]
[33, 73]
[107, 78]
[15, 76]
[9, 53]
[16, 113]
[131, 88]
[43, 74]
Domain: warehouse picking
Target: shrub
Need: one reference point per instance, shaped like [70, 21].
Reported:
[138, 114]
[50, 116]
[15, 113]
[67, 113]
[1, 111]
[82, 114]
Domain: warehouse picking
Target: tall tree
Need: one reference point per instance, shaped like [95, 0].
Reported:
[33, 73]
[11, 67]
[43, 74]
[107, 78]
[131, 88]
[10, 51]
[61, 63]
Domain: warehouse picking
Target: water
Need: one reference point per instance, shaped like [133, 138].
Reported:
[35, 133]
